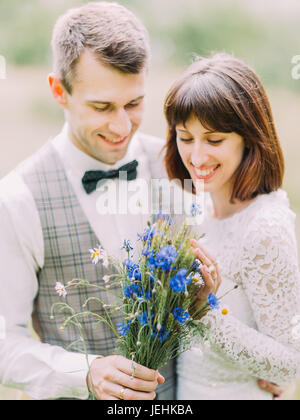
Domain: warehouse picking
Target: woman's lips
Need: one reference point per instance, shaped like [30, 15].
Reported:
[199, 174]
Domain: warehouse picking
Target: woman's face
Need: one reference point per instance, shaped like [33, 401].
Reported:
[209, 155]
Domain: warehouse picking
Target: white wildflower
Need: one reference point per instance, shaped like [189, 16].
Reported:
[99, 254]
[95, 255]
[105, 262]
[60, 289]
[197, 279]
[106, 279]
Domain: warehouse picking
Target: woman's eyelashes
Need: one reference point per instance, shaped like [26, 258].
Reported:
[185, 140]
[215, 141]
[188, 140]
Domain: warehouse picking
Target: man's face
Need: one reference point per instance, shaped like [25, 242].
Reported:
[105, 109]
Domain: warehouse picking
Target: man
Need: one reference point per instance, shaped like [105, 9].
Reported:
[49, 218]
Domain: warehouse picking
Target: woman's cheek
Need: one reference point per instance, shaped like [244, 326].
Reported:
[183, 152]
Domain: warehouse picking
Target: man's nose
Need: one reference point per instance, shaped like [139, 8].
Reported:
[120, 124]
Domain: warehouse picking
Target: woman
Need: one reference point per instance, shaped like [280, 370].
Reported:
[221, 131]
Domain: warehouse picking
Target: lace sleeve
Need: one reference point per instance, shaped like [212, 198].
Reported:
[270, 278]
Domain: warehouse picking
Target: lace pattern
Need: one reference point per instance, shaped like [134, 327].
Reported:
[257, 250]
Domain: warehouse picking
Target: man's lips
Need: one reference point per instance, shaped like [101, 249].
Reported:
[113, 142]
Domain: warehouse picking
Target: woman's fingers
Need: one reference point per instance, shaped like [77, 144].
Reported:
[208, 287]
[219, 278]
[202, 257]
[211, 268]
[211, 273]
[195, 244]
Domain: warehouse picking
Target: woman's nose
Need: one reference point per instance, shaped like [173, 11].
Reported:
[199, 155]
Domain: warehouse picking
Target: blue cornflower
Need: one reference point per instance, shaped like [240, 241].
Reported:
[166, 257]
[143, 318]
[148, 295]
[123, 328]
[180, 281]
[127, 246]
[180, 315]
[142, 297]
[146, 251]
[133, 289]
[128, 291]
[162, 334]
[195, 210]
[213, 301]
[196, 266]
[148, 234]
[152, 280]
[133, 269]
[164, 217]
[151, 264]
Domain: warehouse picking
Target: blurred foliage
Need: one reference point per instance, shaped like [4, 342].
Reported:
[176, 32]
[266, 45]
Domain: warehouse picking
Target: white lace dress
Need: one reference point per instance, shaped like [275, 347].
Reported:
[257, 250]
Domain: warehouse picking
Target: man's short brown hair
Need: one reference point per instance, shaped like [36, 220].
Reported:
[110, 31]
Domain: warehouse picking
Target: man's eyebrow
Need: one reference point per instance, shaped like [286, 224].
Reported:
[96, 101]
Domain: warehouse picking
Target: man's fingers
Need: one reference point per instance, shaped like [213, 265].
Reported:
[139, 371]
[106, 397]
[271, 388]
[123, 393]
[127, 381]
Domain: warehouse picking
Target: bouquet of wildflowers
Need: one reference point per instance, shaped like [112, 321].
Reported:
[158, 299]
[160, 296]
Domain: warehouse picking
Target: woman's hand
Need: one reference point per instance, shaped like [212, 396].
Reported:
[210, 273]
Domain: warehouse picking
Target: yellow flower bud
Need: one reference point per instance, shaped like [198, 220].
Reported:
[225, 311]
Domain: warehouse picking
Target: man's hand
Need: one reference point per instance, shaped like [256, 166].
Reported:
[273, 389]
[113, 379]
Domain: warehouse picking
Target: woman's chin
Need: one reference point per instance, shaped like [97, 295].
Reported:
[204, 186]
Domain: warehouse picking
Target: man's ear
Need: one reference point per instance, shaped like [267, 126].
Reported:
[58, 91]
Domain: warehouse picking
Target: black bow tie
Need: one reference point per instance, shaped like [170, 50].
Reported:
[91, 178]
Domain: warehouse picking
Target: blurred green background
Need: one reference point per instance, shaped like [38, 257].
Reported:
[265, 33]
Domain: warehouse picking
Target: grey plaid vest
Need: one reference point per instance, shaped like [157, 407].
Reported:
[68, 237]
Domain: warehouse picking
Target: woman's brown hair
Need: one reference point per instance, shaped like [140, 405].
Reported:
[225, 95]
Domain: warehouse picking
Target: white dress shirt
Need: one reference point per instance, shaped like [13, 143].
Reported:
[42, 370]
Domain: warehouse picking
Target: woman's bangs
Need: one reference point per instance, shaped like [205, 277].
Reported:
[204, 101]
